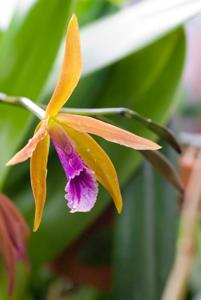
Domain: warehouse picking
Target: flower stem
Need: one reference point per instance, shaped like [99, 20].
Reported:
[39, 111]
[161, 131]
[23, 102]
[155, 158]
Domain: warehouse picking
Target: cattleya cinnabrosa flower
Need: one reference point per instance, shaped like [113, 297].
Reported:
[83, 160]
[14, 234]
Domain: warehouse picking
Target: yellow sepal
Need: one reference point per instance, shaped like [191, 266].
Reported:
[38, 173]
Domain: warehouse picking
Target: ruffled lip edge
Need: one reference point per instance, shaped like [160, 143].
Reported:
[94, 182]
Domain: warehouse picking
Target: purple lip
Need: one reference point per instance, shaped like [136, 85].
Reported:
[81, 189]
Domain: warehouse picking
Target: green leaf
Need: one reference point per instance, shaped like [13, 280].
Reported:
[165, 168]
[1, 35]
[130, 30]
[27, 53]
[138, 87]
[88, 293]
[162, 132]
[138, 26]
[149, 90]
[89, 10]
[145, 237]
[21, 285]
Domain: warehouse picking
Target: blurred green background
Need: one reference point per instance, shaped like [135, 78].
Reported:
[98, 255]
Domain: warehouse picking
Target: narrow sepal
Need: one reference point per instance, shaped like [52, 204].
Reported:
[107, 131]
[26, 152]
[70, 71]
[38, 174]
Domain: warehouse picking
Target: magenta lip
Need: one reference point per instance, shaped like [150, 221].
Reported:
[81, 189]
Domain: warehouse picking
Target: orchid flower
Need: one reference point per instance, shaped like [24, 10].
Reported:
[83, 160]
[14, 234]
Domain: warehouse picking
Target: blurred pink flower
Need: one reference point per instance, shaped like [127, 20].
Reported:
[192, 75]
[14, 234]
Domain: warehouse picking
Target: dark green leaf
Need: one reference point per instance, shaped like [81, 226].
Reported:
[164, 133]
[165, 168]
[145, 238]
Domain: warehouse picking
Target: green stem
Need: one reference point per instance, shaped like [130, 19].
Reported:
[23, 102]
[154, 157]
[162, 132]
[39, 111]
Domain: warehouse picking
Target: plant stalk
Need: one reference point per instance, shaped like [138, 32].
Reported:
[23, 102]
[39, 111]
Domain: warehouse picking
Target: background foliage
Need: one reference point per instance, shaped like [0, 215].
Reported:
[145, 78]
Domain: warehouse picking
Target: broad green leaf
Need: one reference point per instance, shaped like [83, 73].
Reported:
[1, 35]
[148, 90]
[89, 10]
[130, 30]
[118, 2]
[138, 25]
[27, 53]
[145, 81]
[145, 237]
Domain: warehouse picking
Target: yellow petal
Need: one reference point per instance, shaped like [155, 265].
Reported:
[28, 150]
[38, 172]
[96, 158]
[71, 69]
[107, 131]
